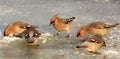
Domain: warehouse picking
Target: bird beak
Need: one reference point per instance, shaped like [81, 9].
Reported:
[77, 47]
[104, 45]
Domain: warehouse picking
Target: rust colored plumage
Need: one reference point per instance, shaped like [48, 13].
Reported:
[92, 44]
[98, 27]
[16, 27]
[61, 24]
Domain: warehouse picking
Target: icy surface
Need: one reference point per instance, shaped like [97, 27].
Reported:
[39, 12]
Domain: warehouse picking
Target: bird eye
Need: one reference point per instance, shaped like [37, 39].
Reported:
[36, 35]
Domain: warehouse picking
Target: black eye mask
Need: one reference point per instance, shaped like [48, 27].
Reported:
[27, 35]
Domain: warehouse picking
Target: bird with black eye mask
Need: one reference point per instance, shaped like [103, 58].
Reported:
[99, 28]
[31, 36]
[92, 44]
[16, 27]
[61, 24]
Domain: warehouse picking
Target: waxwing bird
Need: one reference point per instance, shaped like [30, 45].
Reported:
[31, 36]
[61, 24]
[92, 43]
[98, 27]
[16, 27]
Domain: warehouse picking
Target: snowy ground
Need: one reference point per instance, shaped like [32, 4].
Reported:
[39, 12]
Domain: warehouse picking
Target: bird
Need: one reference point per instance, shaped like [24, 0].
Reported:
[15, 27]
[31, 36]
[61, 24]
[92, 44]
[97, 28]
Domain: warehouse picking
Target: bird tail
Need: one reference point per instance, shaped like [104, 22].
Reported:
[110, 26]
[71, 19]
[114, 25]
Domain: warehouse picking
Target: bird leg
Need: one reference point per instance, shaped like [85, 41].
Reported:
[68, 34]
[57, 34]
